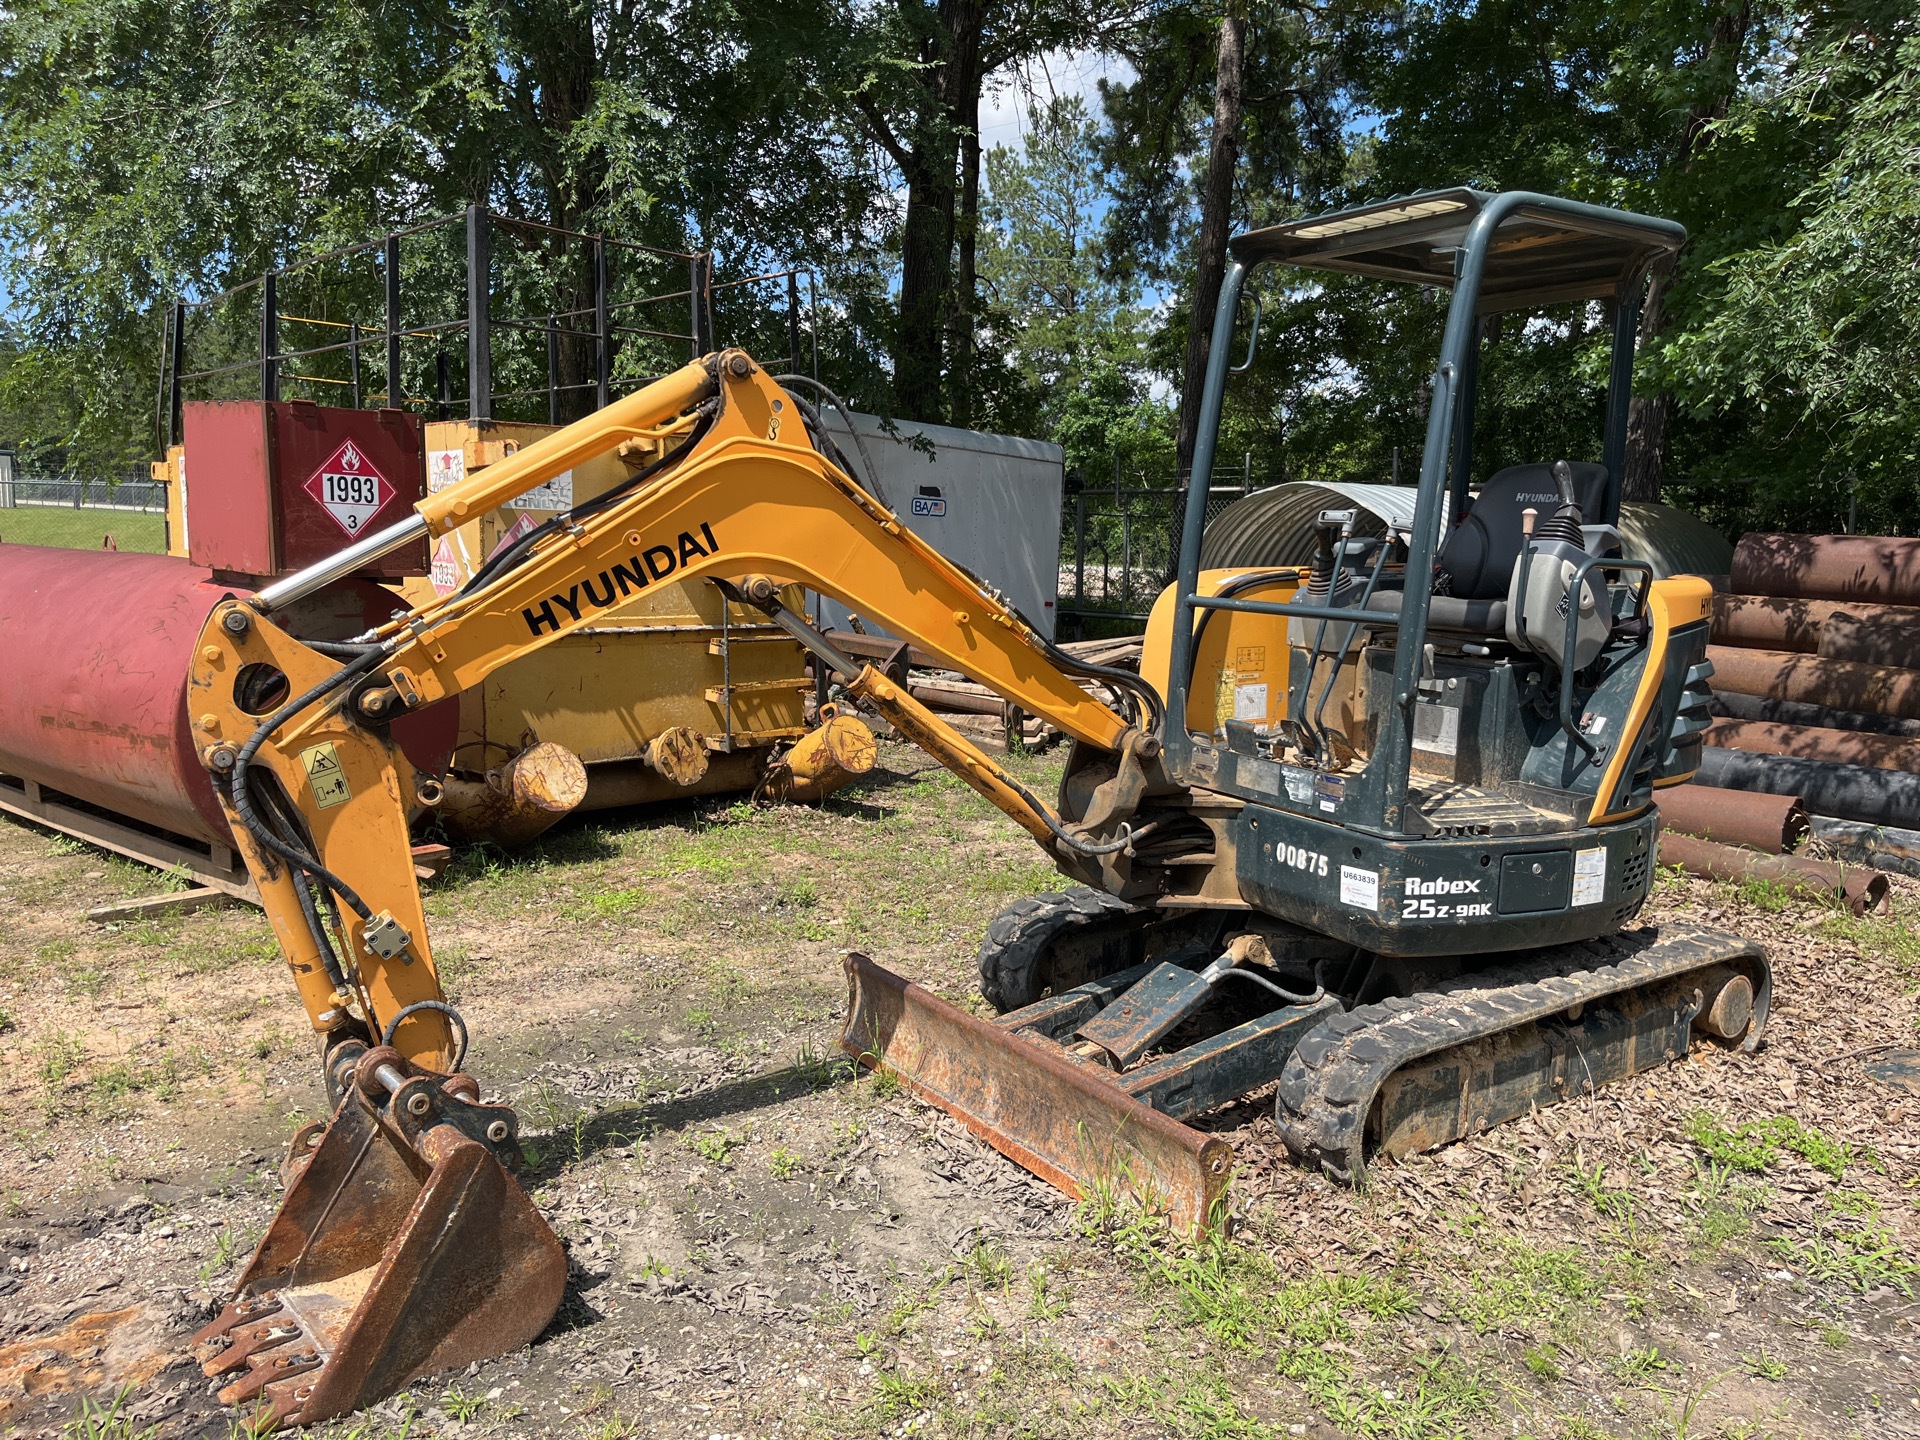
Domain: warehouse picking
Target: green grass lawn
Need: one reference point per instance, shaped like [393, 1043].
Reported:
[71, 529]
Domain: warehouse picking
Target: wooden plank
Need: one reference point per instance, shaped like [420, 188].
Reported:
[180, 903]
[31, 802]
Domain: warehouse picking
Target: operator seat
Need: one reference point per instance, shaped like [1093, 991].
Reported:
[1477, 560]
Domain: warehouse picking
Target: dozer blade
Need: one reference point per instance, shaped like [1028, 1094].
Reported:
[403, 1247]
[1065, 1120]
[1415, 1072]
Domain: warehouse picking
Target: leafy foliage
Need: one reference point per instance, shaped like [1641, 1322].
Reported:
[161, 150]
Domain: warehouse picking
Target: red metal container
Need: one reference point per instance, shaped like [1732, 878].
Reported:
[273, 487]
[93, 690]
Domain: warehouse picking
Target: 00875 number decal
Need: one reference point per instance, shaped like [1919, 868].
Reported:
[1311, 861]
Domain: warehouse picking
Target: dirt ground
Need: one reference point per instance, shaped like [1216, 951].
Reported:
[761, 1246]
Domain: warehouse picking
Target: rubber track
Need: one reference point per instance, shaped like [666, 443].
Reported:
[1020, 934]
[1329, 1084]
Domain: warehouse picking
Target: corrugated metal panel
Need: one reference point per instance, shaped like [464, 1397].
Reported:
[1674, 542]
[1276, 527]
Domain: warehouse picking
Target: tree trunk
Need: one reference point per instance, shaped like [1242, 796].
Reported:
[1216, 207]
[926, 253]
[1647, 415]
[965, 280]
[953, 81]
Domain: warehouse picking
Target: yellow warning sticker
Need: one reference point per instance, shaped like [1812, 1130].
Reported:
[324, 774]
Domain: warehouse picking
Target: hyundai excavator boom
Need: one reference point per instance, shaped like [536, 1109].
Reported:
[1370, 832]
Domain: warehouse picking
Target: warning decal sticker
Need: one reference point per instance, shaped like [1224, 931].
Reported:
[350, 489]
[445, 572]
[325, 776]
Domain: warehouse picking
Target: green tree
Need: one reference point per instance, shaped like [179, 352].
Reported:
[157, 149]
[1813, 333]
[1235, 120]
[1056, 315]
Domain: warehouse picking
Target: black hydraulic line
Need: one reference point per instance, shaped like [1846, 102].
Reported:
[1224, 966]
[846, 414]
[346, 649]
[1319, 993]
[324, 942]
[822, 442]
[440, 1007]
[241, 782]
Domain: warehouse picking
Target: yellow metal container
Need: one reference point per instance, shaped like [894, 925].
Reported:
[676, 658]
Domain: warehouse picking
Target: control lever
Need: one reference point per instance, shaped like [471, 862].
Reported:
[1528, 518]
[1563, 481]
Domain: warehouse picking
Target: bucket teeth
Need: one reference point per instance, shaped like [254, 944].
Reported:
[249, 1340]
[269, 1368]
[215, 1341]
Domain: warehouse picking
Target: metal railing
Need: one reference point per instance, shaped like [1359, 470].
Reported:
[474, 314]
[1119, 549]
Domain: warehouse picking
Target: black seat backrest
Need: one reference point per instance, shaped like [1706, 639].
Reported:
[1476, 562]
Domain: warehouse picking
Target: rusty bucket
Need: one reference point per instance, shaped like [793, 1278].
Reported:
[403, 1247]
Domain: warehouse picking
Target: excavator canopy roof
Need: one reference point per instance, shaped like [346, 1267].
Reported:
[1543, 252]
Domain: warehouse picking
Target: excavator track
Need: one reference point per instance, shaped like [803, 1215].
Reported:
[1413, 1072]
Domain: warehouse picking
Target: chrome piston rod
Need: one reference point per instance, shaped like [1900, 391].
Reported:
[318, 576]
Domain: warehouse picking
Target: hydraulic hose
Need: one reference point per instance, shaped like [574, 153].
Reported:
[240, 785]
[846, 414]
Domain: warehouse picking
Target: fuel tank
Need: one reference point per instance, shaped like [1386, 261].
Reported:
[93, 683]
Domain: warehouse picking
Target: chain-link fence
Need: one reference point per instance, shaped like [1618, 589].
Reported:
[1118, 550]
[144, 496]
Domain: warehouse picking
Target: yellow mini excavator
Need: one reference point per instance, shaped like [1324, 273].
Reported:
[1371, 831]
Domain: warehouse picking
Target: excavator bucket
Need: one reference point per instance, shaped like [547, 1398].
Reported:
[1064, 1118]
[403, 1247]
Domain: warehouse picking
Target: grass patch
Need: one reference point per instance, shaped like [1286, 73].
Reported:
[716, 1147]
[1527, 1283]
[1762, 894]
[1311, 1329]
[1851, 1247]
[1722, 1204]
[94, 1421]
[66, 528]
[1890, 938]
[1755, 1146]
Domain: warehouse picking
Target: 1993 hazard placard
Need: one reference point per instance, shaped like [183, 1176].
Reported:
[350, 489]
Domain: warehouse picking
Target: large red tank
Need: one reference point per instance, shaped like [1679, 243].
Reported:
[94, 651]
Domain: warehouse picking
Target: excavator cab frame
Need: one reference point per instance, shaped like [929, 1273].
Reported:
[1500, 252]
